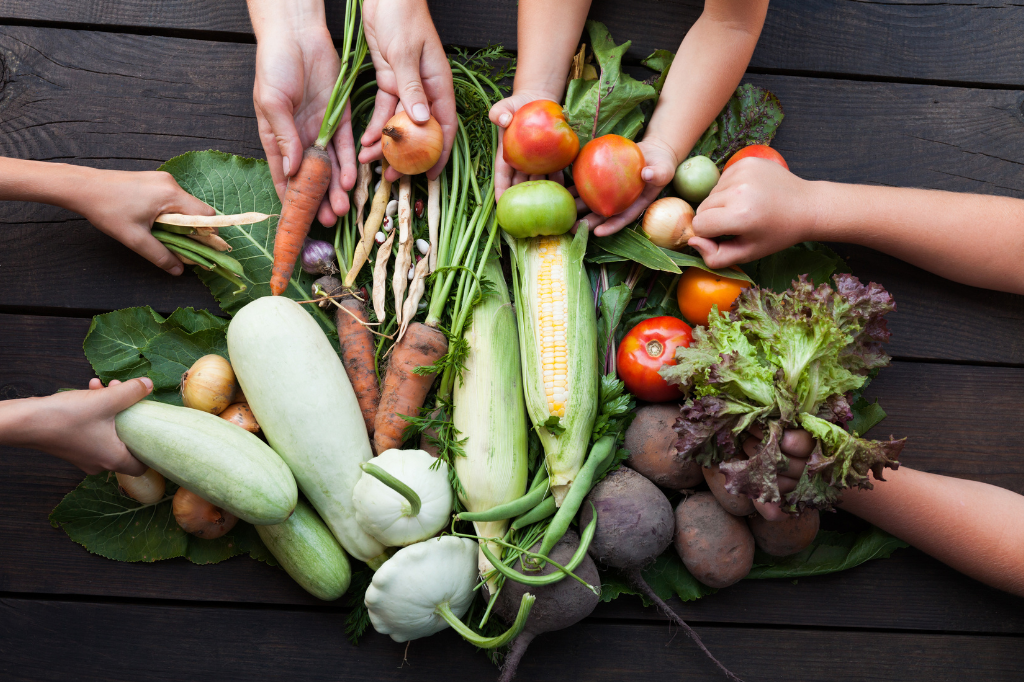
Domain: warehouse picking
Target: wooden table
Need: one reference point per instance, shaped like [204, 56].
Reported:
[897, 93]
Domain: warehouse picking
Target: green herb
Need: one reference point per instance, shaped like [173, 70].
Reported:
[554, 425]
[751, 116]
[358, 619]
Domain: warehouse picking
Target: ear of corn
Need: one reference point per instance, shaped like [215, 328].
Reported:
[558, 338]
[489, 412]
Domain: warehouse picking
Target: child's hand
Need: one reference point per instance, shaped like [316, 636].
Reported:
[123, 205]
[501, 115]
[797, 445]
[762, 205]
[413, 74]
[77, 426]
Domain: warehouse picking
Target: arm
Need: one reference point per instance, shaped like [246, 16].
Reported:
[974, 527]
[711, 61]
[121, 204]
[767, 209]
[296, 68]
[548, 35]
[77, 426]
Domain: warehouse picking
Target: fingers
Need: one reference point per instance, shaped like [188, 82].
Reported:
[278, 111]
[797, 443]
[724, 254]
[121, 396]
[186, 204]
[770, 511]
[125, 463]
[94, 384]
[616, 223]
[503, 174]
[501, 113]
[383, 109]
[335, 201]
[150, 248]
[437, 82]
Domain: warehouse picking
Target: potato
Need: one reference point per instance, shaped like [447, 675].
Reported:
[651, 442]
[785, 537]
[716, 547]
[737, 505]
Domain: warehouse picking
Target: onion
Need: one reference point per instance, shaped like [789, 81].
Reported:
[241, 415]
[668, 223]
[147, 488]
[410, 148]
[209, 385]
[324, 286]
[318, 257]
[200, 518]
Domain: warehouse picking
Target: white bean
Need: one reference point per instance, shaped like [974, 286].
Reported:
[388, 224]
[379, 237]
[422, 246]
[412, 273]
[392, 208]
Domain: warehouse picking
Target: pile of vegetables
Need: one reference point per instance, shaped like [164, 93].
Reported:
[450, 382]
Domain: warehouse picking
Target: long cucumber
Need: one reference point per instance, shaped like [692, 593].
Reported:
[304, 547]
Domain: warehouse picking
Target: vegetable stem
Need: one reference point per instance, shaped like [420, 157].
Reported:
[390, 481]
[445, 611]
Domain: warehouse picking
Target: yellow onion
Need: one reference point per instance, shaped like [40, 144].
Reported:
[410, 148]
[147, 488]
[209, 385]
[200, 518]
[668, 223]
[241, 415]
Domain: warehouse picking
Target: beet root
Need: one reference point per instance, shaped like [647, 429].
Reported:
[558, 605]
[786, 536]
[651, 442]
[716, 547]
[734, 503]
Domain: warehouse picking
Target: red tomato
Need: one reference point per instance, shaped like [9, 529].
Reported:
[539, 141]
[643, 351]
[607, 174]
[760, 151]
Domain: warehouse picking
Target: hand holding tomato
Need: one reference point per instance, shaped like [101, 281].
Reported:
[501, 115]
[643, 351]
[699, 291]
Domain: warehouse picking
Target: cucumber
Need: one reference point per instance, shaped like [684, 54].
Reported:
[213, 458]
[304, 547]
[300, 394]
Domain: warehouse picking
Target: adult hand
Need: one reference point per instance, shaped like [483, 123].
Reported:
[797, 445]
[763, 206]
[501, 115]
[295, 75]
[413, 74]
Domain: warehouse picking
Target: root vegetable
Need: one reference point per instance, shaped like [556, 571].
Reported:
[786, 536]
[199, 517]
[357, 354]
[305, 191]
[147, 488]
[209, 385]
[716, 547]
[411, 148]
[736, 504]
[241, 415]
[651, 442]
[668, 223]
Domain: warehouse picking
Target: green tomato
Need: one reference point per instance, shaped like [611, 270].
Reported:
[536, 207]
[695, 178]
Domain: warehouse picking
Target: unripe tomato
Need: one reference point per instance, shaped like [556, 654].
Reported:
[607, 174]
[760, 151]
[700, 290]
[695, 178]
[536, 207]
[643, 351]
[539, 140]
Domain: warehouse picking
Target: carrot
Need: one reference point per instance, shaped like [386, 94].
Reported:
[302, 199]
[404, 390]
[357, 354]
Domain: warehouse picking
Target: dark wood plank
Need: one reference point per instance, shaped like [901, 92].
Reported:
[934, 41]
[171, 643]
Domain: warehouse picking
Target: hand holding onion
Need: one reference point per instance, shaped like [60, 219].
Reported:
[411, 149]
[668, 223]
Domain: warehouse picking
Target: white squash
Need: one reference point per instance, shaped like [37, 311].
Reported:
[301, 396]
[403, 497]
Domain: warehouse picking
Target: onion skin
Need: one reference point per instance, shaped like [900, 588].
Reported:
[668, 223]
[318, 257]
[200, 518]
[240, 415]
[411, 149]
[148, 488]
[209, 385]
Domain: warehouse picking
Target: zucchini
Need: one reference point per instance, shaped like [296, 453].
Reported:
[304, 547]
[213, 458]
[300, 394]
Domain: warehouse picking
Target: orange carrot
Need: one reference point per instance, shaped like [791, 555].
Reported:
[404, 390]
[306, 190]
[357, 354]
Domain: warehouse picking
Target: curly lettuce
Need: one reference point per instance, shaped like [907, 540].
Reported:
[786, 360]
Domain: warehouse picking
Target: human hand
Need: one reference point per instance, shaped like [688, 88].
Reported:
[296, 70]
[124, 204]
[763, 206]
[797, 445]
[78, 426]
[501, 115]
[413, 74]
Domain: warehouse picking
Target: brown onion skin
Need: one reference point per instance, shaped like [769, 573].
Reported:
[209, 385]
[147, 489]
[199, 517]
[411, 148]
[668, 223]
[239, 414]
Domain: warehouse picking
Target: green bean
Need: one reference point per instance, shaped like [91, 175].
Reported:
[601, 451]
[509, 509]
[191, 245]
[194, 257]
[539, 477]
[231, 277]
[545, 509]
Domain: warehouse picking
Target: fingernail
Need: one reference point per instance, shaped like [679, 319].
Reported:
[147, 382]
[286, 166]
[420, 112]
[504, 119]
[177, 270]
[647, 174]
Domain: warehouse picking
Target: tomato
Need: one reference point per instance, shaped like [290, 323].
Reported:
[695, 178]
[699, 290]
[607, 174]
[760, 151]
[536, 207]
[643, 351]
[539, 140]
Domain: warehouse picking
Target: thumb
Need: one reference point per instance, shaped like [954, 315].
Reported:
[277, 109]
[187, 204]
[126, 394]
[501, 113]
[410, 89]
[658, 173]
[719, 255]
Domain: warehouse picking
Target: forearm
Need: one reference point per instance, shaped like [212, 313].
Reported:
[548, 35]
[709, 65]
[969, 238]
[20, 422]
[43, 182]
[976, 528]
[277, 16]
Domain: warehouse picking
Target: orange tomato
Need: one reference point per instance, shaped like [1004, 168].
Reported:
[700, 290]
[760, 151]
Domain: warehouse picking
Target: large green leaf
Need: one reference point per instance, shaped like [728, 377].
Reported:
[686, 260]
[632, 245]
[830, 552]
[751, 116]
[777, 271]
[99, 517]
[235, 184]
